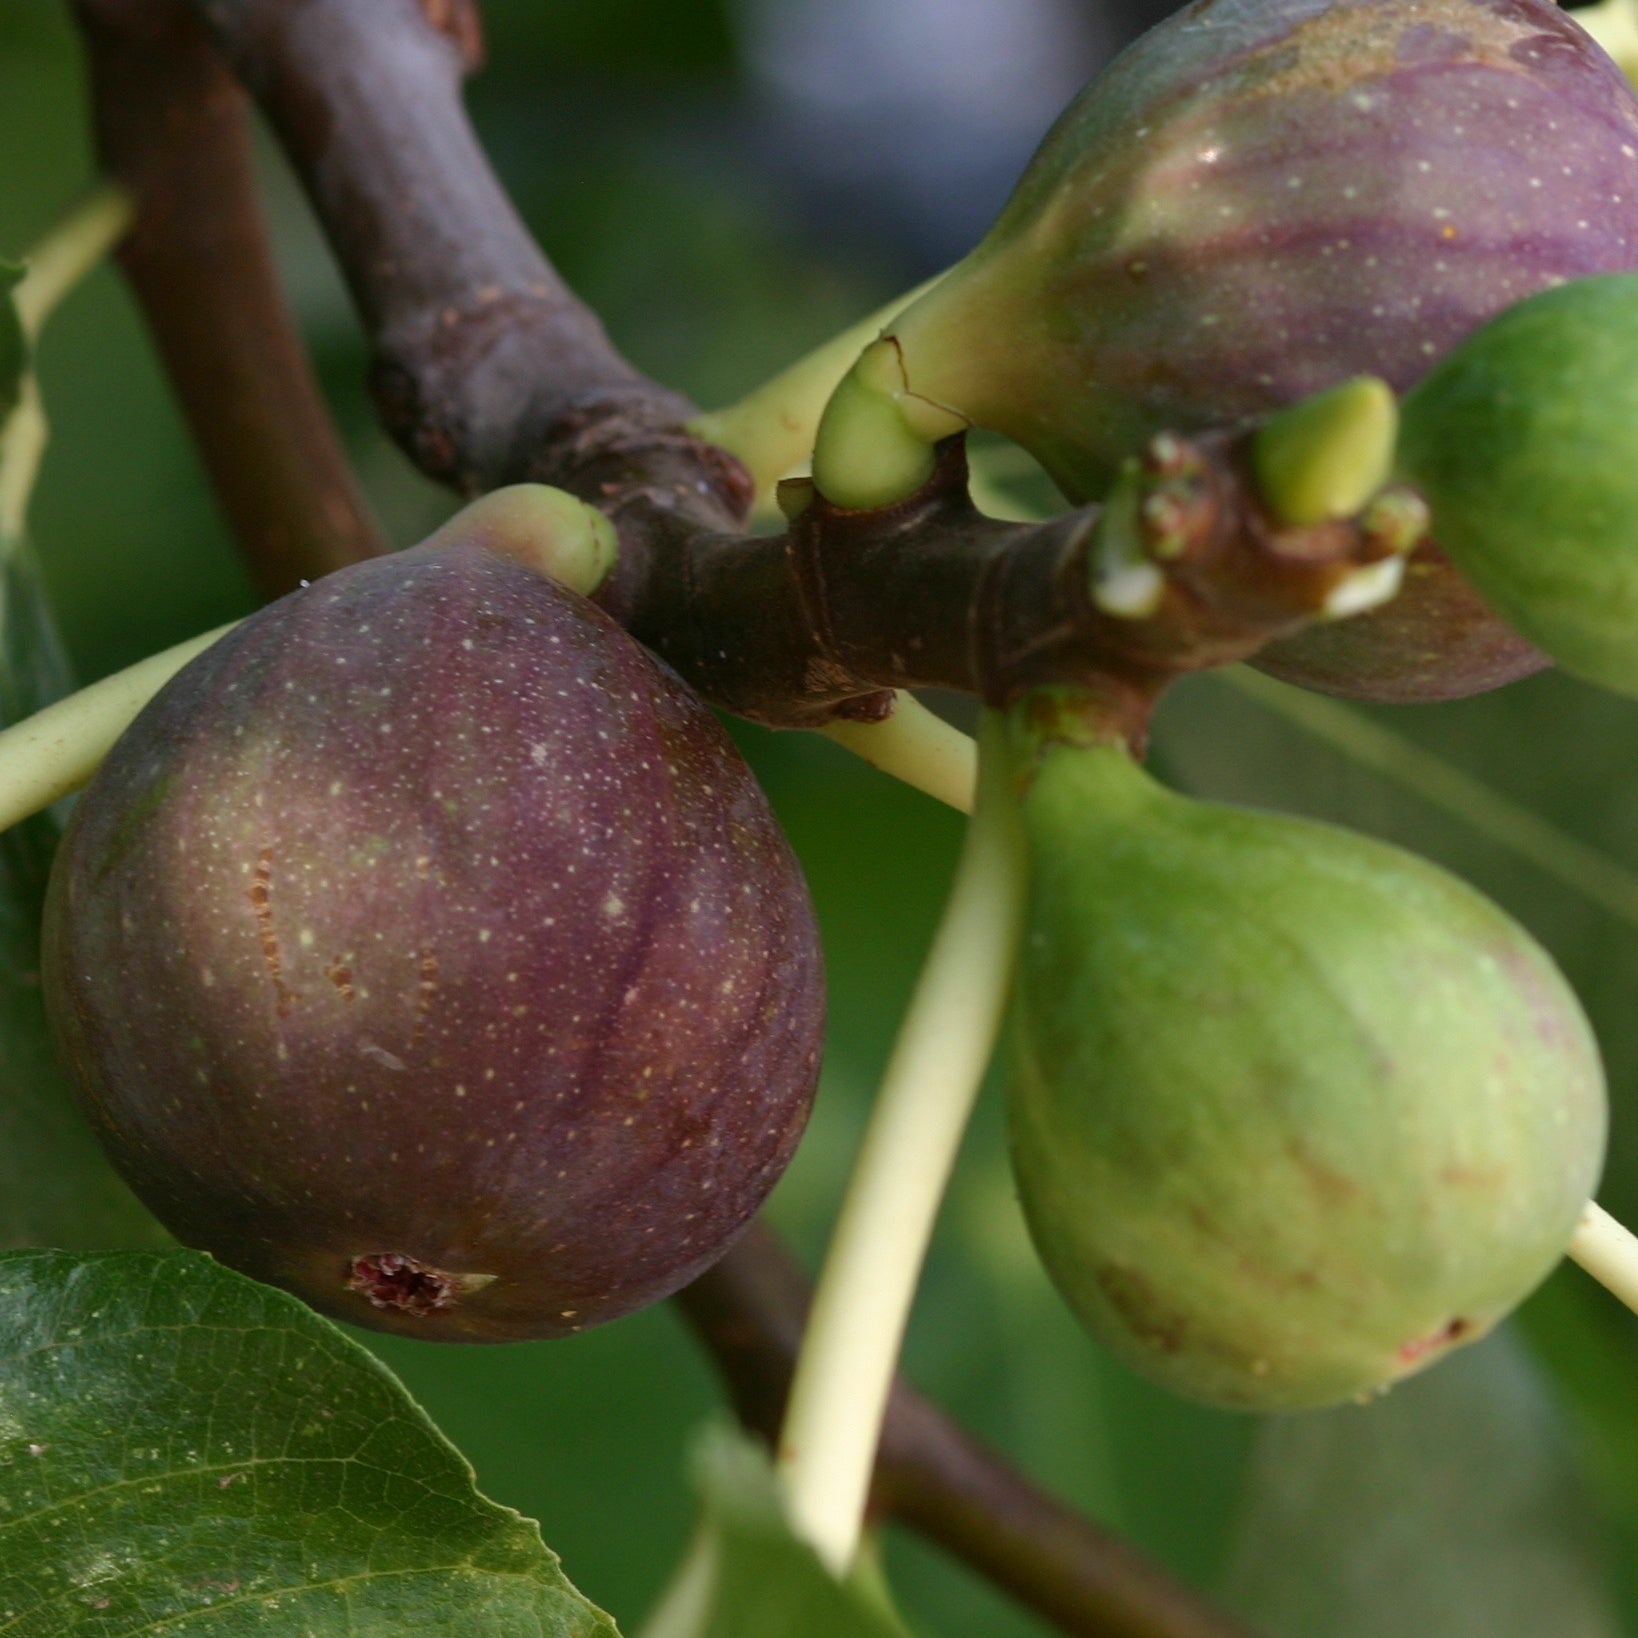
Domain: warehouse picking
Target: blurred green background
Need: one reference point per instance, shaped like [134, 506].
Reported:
[678, 187]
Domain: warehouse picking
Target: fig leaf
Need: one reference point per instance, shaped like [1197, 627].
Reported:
[180, 1445]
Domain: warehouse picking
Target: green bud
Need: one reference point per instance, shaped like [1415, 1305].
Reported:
[875, 440]
[1292, 1112]
[1325, 457]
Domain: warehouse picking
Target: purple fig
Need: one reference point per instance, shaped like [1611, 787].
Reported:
[426, 948]
[1262, 198]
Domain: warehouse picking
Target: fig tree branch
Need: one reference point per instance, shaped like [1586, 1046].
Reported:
[750, 1311]
[171, 126]
[489, 370]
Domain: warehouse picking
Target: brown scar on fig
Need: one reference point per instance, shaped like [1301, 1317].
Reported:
[1331, 1187]
[1137, 1302]
[426, 987]
[341, 975]
[389, 1279]
[1447, 1336]
[260, 894]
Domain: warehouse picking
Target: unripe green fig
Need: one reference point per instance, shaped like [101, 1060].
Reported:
[1292, 1111]
[1524, 442]
[426, 947]
[1262, 198]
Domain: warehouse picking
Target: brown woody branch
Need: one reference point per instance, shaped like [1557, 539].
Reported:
[931, 1475]
[489, 370]
[171, 125]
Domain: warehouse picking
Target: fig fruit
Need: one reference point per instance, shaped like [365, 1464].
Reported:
[426, 948]
[1262, 198]
[1292, 1111]
[1522, 442]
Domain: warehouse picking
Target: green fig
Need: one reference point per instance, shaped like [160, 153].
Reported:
[1292, 1111]
[1524, 442]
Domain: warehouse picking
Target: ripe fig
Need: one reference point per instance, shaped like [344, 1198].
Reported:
[426, 947]
[1262, 198]
[1522, 442]
[1292, 1111]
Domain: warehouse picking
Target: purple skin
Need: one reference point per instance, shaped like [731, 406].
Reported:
[1264, 197]
[426, 948]
[1437, 640]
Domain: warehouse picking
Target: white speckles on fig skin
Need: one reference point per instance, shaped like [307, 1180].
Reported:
[1335, 190]
[427, 917]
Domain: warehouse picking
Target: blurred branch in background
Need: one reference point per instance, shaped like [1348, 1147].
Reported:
[171, 126]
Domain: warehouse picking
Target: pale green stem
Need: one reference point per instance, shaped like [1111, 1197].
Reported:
[70, 251]
[23, 441]
[1608, 1252]
[55, 751]
[914, 745]
[55, 266]
[827, 1446]
[772, 428]
[1552, 851]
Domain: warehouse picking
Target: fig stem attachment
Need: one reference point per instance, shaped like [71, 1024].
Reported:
[1608, 1251]
[875, 441]
[548, 530]
[772, 428]
[70, 251]
[827, 1446]
[44, 757]
[917, 747]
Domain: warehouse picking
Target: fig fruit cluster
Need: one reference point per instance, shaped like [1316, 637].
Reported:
[1262, 198]
[426, 947]
[1292, 1112]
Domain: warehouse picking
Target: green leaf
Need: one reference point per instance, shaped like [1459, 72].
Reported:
[1454, 1506]
[183, 1450]
[13, 343]
[749, 1577]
